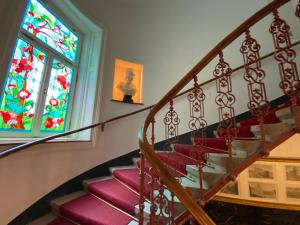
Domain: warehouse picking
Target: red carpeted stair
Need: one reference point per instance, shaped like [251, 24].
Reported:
[116, 193]
[88, 209]
[114, 201]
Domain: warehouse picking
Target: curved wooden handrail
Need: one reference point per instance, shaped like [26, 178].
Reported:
[17, 148]
[148, 150]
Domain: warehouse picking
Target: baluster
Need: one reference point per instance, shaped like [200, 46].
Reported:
[258, 103]
[153, 207]
[171, 121]
[142, 199]
[197, 123]
[285, 56]
[163, 206]
[152, 132]
[297, 13]
[225, 100]
[171, 214]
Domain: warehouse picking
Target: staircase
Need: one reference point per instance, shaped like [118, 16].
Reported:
[172, 185]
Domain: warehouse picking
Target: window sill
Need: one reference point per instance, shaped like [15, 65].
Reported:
[11, 141]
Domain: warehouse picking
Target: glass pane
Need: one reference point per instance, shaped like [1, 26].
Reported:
[57, 101]
[22, 88]
[48, 28]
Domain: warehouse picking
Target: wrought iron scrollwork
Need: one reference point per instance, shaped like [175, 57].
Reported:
[285, 57]
[197, 123]
[254, 75]
[224, 99]
[171, 121]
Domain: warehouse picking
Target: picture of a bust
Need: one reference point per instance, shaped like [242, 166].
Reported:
[127, 87]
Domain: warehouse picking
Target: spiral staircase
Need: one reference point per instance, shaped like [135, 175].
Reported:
[172, 185]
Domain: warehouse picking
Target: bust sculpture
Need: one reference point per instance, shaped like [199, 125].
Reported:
[127, 87]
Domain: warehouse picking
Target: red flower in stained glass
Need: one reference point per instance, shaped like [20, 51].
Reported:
[49, 123]
[23, 94]
[60, 120]
[53, 122]
[9, 118]
[11, 86]
[30, 115]
[31, 13]
[23, 65]
[63, 81]
[53, 102]
[41, 57]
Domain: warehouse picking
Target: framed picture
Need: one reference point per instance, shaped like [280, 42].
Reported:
[231, 188]
[292, 172]
[128, 82]
[264, 171]
[262, 190]
[293, 192]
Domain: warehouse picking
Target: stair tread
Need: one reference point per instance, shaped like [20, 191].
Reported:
[171, 170]
[87, 209]
[195, 151]
[176, 160]
[113, 191]
[217, 143]
[131, 178]
[60, 221]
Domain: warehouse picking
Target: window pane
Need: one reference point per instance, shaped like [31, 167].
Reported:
[22, 88]
[57, 101]
[46, 27]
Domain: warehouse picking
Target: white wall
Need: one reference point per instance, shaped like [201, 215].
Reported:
[168, 37]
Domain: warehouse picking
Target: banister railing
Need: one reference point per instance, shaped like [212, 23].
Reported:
[20, 147]
[147, 149]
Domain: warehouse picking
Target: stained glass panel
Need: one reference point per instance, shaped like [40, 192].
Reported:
[48, 28]
[22, 88]
[56, 106]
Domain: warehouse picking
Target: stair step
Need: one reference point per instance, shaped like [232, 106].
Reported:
[217, 143]
[242, 132]
[195, 151]
[88, 209]
[245, 147]
[286, 115]
[176, 160]
[172, 170]
[224, 160]
[211, 174]
[131, 178]
[271, 117]
[273, 131]
[114, 192]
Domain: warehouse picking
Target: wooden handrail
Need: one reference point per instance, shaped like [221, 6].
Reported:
[42, 140]
[148, 150]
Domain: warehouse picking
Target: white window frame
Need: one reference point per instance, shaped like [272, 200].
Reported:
[89, 81]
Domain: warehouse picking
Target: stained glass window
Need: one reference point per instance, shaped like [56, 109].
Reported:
[48, 28]
[18, 104]
[56, 106]
[37, 90]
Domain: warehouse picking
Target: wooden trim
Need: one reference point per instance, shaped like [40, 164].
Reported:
[273, 205]
[279, 159]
